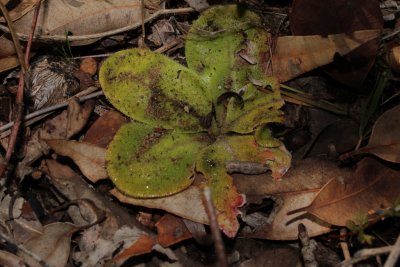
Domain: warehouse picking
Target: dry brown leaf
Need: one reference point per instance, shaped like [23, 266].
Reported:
[339, 136]
[25, 224]
[79, 18]
[23, 7]
[78, 115]
[88, 65]
[7, 47]
[9, 259]
[309, 17]
[55, 128]
[8, 63]
[171, 230]
[393, 59]
[187, 204]
[143, 245]
[163, 32]
[284, 226]
[104, 128]
[300, 184]
[373, 186]
[98, 243]
[53, 246]
[8, 56]
[385, 138]
[90, 158]
[295, 55]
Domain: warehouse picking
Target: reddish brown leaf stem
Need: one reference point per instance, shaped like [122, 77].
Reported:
[32, 32]
[215, 232]
[19, 99]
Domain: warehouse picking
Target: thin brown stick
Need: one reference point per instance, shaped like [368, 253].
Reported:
[17, 45]
[46, 111]
[19, 98]
[168, 46]
[32, 32]
[215, 232]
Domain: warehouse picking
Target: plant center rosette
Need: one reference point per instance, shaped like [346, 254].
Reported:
[197, 118]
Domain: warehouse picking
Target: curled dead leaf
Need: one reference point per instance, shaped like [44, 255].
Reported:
[52, 246]
[186, 204]
[78, 115]
[89, 158]
[385, 138]
[144, 244]
[74, 20]
[102, 131]
[373, 186]
[9, 259]
[171, 230]
[19, 10]
[55, 128]
[309, 17]
[302, 182]
[99, 243]
[295, 55]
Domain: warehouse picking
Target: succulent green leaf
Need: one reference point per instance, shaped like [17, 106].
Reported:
[227, 53]
[144, 161]
[224, 46]
[264, 137]
[156, 90]
[258, 108]
[228, 48]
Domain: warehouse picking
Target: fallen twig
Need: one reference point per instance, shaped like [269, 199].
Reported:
[23, 249]
[394, 255]
[364, 254]
[46, 111]
[343, 244]
[215, 232]
[308, 247]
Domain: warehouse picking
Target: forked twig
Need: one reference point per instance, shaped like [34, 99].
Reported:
[19, 98]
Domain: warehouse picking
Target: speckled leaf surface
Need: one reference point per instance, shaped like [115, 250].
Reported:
[156, 90]
[258, 108]
[224, 46]
[150, 162]
[229, 48]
